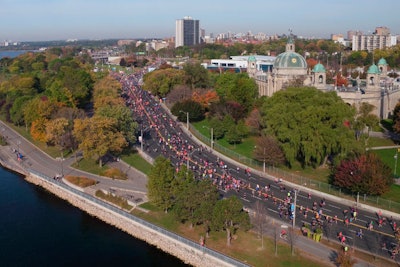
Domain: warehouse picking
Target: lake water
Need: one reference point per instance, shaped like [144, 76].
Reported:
[11, 53]
[39, 229]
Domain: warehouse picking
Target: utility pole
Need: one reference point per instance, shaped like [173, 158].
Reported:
[212, 138]
[62, 164]
[264, 161]
[395, 162]
[141, 141]
[294, 208]
[187, 120]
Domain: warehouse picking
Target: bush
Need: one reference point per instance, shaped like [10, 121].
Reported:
[80, 181]
[114, 173]
[387, 124]
[195, 109]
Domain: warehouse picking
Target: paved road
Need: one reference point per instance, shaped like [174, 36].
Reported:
[164, 135]
[35, 159]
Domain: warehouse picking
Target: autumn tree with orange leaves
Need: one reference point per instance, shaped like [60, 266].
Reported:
[205, 97]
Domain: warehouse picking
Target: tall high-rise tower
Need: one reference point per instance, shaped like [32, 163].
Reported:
[187, 32]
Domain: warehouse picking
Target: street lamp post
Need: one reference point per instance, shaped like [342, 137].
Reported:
[264, 161]
[395, 162]
[18, 143]
[188, 159]
[294, 209]
[212, 136]
[62, 166]
[187, 118]
[141, 139]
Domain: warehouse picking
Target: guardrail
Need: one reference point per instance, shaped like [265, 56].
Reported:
[129, 216]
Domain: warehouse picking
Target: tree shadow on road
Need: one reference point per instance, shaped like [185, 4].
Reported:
[333, 256]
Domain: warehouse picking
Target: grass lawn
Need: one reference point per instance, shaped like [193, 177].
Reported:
[245, 148]
[90, 165]
[137, 162]
[376, 141]
[119, 201]
[246, 246]
[389, 157]
[393, 194]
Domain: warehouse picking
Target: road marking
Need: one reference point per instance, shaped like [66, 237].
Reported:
[336, 207]
[373, 218]
[273, 210]
[359, 220]
[274, 186]
[326, 210]
[245, 199]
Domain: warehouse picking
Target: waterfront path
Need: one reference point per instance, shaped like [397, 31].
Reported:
[35, 159]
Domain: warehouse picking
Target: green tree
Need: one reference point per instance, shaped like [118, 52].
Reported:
[195, 109]
[196, 76]
[124, 118]
[365, 118]
[236, 132]
[238, 87]
[205, 196]
[309, 124]
[396, 118]
[229, 216]
[77, 82]
[160, 184]
[185, 202]
[17, 110]
[192, 198]
[161, 82]
[217, 126]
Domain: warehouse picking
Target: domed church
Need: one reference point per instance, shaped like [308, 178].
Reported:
[288, 68]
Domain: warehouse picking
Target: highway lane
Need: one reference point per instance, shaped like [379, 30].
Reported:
[164, 136]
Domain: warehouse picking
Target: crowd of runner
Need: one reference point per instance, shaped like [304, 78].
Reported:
[182, 151]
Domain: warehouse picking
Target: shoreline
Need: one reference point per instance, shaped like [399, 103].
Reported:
[188, 251]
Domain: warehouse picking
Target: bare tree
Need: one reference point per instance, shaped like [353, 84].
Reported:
[268, 151]
[178, 93]
[276, 238]
[292, 239]
[260, 220]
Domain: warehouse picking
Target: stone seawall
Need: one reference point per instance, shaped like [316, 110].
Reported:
[169, 245]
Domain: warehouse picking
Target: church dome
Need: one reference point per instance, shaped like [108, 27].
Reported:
[373, 69]
[289, 60]
[382, 61]
[318, 68]
[252, 59]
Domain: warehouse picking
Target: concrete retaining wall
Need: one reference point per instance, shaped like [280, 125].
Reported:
[180, 250]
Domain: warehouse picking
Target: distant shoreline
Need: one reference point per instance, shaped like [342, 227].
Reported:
[14, 53]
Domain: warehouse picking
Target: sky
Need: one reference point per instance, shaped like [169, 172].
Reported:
[45, 20]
